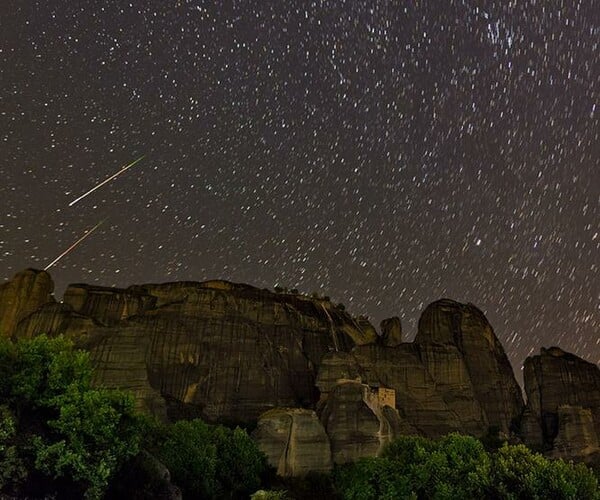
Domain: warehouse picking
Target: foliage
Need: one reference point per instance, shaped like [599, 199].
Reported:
[314, 485]
[459, 467]
[210, 461]
[414, 467]
[269, 495]
[519, 473]
[12, 467]
[66, 434]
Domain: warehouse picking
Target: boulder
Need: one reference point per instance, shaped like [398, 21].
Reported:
[465, 327]
[24, 294]
[294, 441]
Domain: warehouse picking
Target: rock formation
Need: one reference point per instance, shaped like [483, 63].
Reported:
[21, 296]
[417, 399]
[294, 441]
[232, 353]
[563, 403]
[357, 421]
[391, 332]
[577, 437]
[216, 350]
[464, 327]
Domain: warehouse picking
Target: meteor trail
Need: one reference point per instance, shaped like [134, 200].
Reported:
[74, 245]
[107, 180]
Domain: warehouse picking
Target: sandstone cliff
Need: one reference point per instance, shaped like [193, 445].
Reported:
[563, 404]
[21, 296]
[464, 327]
[217, 350]
[312, 376]
[294, 441]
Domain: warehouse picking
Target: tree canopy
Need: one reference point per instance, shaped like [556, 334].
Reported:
[57, 432]
[458, 466]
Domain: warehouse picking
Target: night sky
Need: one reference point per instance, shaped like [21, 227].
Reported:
[385, 153]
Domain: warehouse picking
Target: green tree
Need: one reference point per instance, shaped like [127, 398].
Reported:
[519, 473]
[210, 461]
[373, 478]
[68, 435]
[12, 467]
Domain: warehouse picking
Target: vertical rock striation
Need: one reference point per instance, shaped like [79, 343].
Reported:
[563, 402]
[24, 294]
[463, 326]
[294, 441]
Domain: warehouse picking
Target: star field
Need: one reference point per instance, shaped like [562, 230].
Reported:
[384, 153]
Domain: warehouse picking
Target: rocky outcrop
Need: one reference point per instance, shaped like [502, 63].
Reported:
[294, 441]
[357, 422]
[229, 352]
[107, 305]
[465, 327]
[577, 437]
[21, 296]
[417, 399]
[563, 399]
[391, 332]
[55, 319]
[217, 350]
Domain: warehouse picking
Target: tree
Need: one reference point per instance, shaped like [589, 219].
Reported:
[458, 466]
[455, 466]
[210, 461]
[67, 436]
[517, 472]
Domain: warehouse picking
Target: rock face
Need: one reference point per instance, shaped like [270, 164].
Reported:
[577, 436]
[229, 353]
[416, 397]
[294, 441]
[450, 375]
[391, 332]
[107, 305]
[216, 350]
[23, 295]
[464, 327]
[55, 319]
[563, 399]
[358, 422]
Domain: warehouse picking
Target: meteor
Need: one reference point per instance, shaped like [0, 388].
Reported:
[74, 245]
[107, 180]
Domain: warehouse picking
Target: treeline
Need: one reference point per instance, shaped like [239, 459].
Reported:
[62, 438]
[458, 466]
